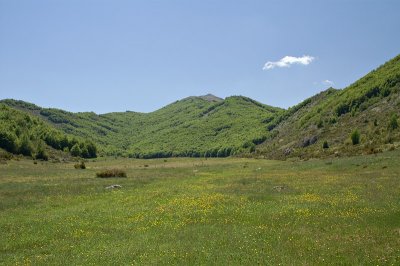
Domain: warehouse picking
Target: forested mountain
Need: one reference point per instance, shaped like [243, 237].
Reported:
[362, 118]
[195, 126]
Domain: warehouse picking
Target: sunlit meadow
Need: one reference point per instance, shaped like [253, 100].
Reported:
[198, 211]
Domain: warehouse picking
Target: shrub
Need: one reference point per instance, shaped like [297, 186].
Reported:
[259, 140]
[84, 151]
[355, 137]
[8, 141]
[41, 154]
[80, 165]
[325, 145]
[393, 124]
[111, 173]
[4, 155]
[342, 109]
[25, 146]
[75, 150]
[92, 149]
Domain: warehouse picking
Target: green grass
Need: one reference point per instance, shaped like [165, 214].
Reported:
[196, 211]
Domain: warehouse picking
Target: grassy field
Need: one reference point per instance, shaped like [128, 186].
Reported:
[196, 211]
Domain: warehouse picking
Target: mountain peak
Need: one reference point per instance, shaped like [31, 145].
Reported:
[210, 97]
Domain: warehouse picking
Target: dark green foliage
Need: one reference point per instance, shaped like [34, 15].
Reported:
[111, 173]
[25, 146]
[259, 140]
[393, 124]
[325, 145]
[84, 151]
[8, 141]
[92, 149]
[76, 150]
[342, 109]
[355, 137]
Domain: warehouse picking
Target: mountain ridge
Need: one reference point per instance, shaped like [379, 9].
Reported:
[209, 126]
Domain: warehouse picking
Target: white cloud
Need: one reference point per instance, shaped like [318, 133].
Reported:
[287, 61]
[328, 82]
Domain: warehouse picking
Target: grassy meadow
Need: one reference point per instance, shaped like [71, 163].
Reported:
[197, 211]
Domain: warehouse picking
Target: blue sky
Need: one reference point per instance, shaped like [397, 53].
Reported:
[116, 55]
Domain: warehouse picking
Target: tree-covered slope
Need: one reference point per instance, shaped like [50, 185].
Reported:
[198, 127]
[22, 133]
[209, 126]
[370, 106]
[194, 126]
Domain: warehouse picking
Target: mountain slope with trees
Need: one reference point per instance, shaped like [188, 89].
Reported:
[362, 118]
[327, 123]
[194, 126]
[22, 133]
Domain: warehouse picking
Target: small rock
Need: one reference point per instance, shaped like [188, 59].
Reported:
[278, 188]
[309, 141]
[287, 151]
[113, 186]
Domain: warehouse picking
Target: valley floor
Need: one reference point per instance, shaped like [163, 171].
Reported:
[197, 211]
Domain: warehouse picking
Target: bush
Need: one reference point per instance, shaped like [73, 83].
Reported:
[8, 141]
[342, 109]
[355, 137]
[4, 155]
[25, 146]
[325, 145]
[92, 149]
[393, 124]
[75, 150]
[41, 154]
[84, 151]
[80, 165]
[111, 173]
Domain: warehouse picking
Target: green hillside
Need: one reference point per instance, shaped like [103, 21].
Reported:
[370, 106]
[22, 133]
[195, 126]
[208, 126]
